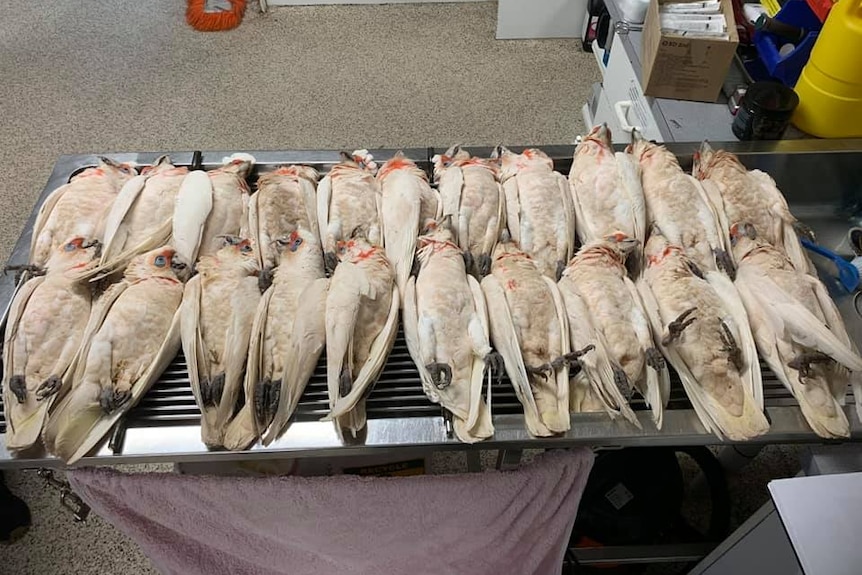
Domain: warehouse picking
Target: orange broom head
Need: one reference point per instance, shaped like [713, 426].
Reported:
[215, 21]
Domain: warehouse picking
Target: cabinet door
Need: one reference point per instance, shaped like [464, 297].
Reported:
[626, 98]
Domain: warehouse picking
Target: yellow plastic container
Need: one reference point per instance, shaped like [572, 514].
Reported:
[830, 87]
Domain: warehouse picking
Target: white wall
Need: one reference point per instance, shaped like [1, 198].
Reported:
[540, 18]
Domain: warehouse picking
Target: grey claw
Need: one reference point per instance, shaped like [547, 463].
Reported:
[330, 262]
[542, 371]
[18, 386]
[734, 353]
[49, 387]
[468, 261]
[677, 326]
[725, 263]
[206, 392]
[217, 389]
[441, 374]
[495, 363]
[561, 267]
[261, 399]
[484, 265]
[345, 382]
[573, 360]
[692, 267]
[110, 400]
[264, 279]
[803, 361]
[622, 382]
[655, 359]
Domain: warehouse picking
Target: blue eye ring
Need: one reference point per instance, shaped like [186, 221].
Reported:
[70, 247]
[245, 249]
[160, 261]
[294, 245]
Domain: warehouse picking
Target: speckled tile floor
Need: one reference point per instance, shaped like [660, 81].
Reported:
[125, 76]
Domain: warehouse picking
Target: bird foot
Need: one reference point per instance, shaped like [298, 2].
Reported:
[18, 386]
[264, 279]
[35, 271]
[206, 392]
[217, 389]
[345, 382]
[330, 262]
[416, 267]
[622, 382]
[734, 353]
[441, 374]
[542, 371]
[484, 265]
[803, 361]
[677, 326]
[561, 267]
[655, 359]
[804, 231]
[112, 399]
[49, 387]
[261, 399]
[693, 268]
[494, 362]
[724, 263]
[573, 360]
[468, 260]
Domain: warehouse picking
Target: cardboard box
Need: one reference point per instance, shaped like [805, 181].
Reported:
[685, 68]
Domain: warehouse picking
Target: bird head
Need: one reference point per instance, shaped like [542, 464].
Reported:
[622, 243]
[598, 141]
[75, 253]
[361, 159]
[240, 164]
[355, 249]
[647, 152]
[658, 248]
[162, 262]
[238, 250]
[701, 160]
[743, 239]
[399, 162]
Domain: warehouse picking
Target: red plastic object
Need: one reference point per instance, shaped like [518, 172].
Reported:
[820, 8]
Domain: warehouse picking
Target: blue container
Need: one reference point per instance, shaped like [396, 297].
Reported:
[786, 69]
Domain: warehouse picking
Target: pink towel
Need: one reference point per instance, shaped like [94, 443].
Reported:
[510, 522]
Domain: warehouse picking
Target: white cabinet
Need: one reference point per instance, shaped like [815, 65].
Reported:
[519, 19]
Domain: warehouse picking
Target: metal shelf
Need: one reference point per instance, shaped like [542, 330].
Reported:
[164, 426]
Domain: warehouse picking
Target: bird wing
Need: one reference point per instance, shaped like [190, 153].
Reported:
[479, 424]
[244, 427]
[400, 215]
[307, 342]
[565, 197]
[657, 390]
[309, 198]
[193, 206]
[513, 208]
[367, 375]
[115, 236]
[829, 422]
[192, 344]
[42, 219]
[167, 351]
[324, 196]
[562, 374]
[24, 425]
[411, 337]
[751, 375]
[505, 341]
[254, 230]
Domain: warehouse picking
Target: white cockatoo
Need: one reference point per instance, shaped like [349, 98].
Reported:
[701, 326]
[679, 207]
[408, 205]
[361, 324]
[751, 197]
[142, 217]
[77, 209]
[447, 334]
[132, 336]
[529, 329]
[287, 337]
[798, 330]
[218, 309]
[349, 201]
[539, 212]
[606, 192]
[286, 200]
[598, 275]
[473, 196]
[230, 199]
[44, 327]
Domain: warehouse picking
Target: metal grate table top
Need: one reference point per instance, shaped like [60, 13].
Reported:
[164, 426]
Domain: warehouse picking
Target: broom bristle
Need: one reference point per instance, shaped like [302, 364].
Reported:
[199, 19]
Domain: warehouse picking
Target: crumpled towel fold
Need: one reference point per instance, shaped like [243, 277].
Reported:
[511, 522]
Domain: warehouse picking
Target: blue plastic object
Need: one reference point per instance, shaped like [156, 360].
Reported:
[847, 272]
[786, 69]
